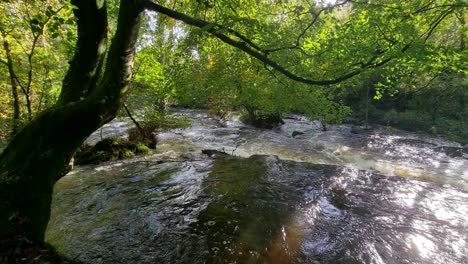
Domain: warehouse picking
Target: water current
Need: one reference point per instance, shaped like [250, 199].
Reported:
[345, 195]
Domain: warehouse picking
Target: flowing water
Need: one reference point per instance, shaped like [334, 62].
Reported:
[340, 196]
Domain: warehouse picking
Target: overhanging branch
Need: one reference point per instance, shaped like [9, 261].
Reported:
[237, 40]
[242, 45]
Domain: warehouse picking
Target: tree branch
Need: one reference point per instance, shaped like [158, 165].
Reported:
[14, 75]
[210, 28]
[316, 16]
[257, 52]
[92, 44]
[113, 86]
[297, 45]
[137, 124]
[434, 24]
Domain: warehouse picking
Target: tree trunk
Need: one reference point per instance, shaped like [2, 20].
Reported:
[14, 86]
[462, 27]
[31, 165]
[38, 155]
[90, 52]
[366, 121]
[138, 126]
[27, 96]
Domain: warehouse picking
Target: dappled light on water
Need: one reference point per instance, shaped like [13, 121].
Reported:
[269, 209]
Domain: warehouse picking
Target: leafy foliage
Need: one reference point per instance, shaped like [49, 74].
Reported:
[405, 44]
[153, 123]
[38, 38]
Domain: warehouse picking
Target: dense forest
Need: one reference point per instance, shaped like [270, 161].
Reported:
[69, 67]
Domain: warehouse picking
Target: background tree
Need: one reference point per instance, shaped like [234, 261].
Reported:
[36, 41]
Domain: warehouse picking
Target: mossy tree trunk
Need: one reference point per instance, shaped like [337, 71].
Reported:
[38, 154]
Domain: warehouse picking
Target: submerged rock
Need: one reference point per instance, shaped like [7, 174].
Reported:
[263, 120]
[297, 133]
[453, 152]
[213, 152]
[360, 130]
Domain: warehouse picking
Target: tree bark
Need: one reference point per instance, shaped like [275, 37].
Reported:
[31, 165]
[27, 97]
[38, 155]
[138, 126]
[90, 52]
[366, 121]
[27, 90]
[14, 86]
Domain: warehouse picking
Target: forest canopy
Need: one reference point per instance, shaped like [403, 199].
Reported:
[68, 67]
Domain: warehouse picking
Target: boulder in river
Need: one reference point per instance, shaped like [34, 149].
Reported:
[360, 130]
[297, 133]
[262, 120]
[213, 152]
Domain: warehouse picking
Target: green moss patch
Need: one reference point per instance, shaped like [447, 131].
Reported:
[109, 149]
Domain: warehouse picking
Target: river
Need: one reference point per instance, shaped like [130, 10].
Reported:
[340, 196]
